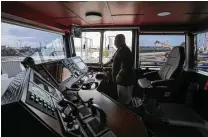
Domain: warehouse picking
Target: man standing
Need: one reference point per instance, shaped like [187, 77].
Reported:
[122, 70]
[122, 59]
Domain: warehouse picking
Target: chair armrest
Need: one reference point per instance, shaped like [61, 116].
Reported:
[162, 82]
[150, 73]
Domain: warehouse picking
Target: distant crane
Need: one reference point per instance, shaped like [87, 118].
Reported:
[165, 46]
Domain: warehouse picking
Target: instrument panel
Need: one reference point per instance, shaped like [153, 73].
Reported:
[40, 94]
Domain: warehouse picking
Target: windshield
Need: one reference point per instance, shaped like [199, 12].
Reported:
[88, 47]
[154, 49]
[18, 42]
[109, 48]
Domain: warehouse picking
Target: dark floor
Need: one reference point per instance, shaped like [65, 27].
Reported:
[174, 131]
[177, 112]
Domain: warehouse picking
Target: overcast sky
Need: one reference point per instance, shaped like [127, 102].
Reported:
[12, 34]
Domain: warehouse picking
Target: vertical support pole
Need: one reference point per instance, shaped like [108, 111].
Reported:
[101, 47]
[136, 49]
[68, 46]
[190, 48]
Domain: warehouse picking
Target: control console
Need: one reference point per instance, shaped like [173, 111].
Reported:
[44, 111]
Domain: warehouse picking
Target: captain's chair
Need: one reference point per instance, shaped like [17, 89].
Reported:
[168, 74]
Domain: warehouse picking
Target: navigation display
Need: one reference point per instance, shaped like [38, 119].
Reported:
[66, 73]
[76, 60]
[58, 71]
[81, 65]
[41, 84]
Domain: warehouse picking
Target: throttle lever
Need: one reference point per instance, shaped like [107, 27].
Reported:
[65, 102]
[89, 102]
[103, 116]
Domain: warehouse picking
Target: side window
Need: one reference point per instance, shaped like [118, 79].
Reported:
[109, 48]
[202, 51]
[18, 42]
[154, 49]
[88, 47]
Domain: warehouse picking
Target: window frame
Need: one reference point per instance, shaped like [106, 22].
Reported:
[101, 45]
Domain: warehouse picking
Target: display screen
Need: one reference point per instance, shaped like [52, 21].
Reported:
[41, 84]
[58, 71]
[81, 65]
[77, 60]
[66, 74]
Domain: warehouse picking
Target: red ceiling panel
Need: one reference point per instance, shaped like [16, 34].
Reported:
[178, 11]
[70, 21]
[81, 8]
[51, 8]
[149, 8]
[148, 12]
[198, 7]
[164, 20]
[20, 10]
[135, 7]
[128, 19]
[63, 14]
[124, 7]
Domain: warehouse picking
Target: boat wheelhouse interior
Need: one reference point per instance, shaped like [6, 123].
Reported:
[54, 81]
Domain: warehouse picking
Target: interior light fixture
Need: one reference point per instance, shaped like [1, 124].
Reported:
[166, 13]
[93, 16]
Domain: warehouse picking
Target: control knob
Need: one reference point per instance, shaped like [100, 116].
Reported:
[76, 129]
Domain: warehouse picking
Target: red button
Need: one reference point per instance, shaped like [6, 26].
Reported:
[206, 86]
